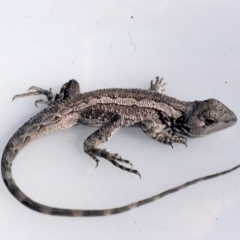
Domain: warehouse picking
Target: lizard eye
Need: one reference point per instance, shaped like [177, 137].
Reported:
[209, 121]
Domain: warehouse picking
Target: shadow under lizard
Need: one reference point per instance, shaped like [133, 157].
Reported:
[161, 117]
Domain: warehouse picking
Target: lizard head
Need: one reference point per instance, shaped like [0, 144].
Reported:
[207, 117]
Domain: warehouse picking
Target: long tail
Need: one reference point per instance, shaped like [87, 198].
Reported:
[17, 142]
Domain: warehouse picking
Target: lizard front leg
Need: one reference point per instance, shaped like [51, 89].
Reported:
[156, 130]
[69, 89]
[158, 86]
[103, 134]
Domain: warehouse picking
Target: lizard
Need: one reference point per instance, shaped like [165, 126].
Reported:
[162, 118]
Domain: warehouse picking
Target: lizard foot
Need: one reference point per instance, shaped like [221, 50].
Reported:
[170, 140]
[68, 89]
[154, 130]
[38, 91]
[113, 158]
[158, 86]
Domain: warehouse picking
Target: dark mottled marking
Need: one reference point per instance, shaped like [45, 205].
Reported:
[104, 154]
[53, 110]
[120, 210]
[93, 213]
[37, 120]
[6, 183]
[61, 212]
[32, 205]
[21, 131]
[14, 190]
[11, 144]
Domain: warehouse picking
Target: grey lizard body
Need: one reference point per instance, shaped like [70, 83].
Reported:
[161, 117]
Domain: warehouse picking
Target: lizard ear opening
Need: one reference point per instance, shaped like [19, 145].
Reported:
[209, 121]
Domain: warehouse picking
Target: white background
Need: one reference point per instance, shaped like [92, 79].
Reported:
[194, 45]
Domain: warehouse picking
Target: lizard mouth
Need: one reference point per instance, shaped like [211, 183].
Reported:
[231, 121]
[234, 118]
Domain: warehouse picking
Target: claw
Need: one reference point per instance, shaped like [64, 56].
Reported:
[128, 162]
[22, 95]
[158, 81]
[27, 94]
[118, 158]
[40, 101]
[37, 91]
[139, 175]
[35, 88]
[96, 164]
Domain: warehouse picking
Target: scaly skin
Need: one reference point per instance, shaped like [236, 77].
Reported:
[162, 118]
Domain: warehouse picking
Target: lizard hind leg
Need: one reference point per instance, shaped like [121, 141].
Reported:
[155, 130]
[103, 134]
[68, 89]
[37, 91]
